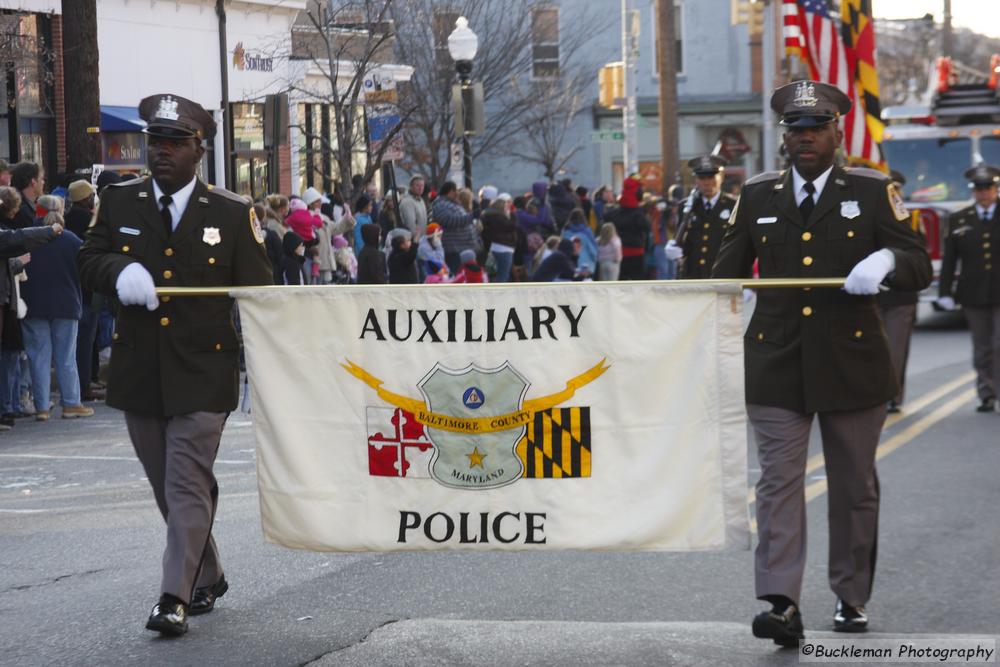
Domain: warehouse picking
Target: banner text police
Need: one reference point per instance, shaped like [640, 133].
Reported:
[503, 528]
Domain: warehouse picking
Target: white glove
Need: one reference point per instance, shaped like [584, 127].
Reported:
[946, 303]
[869, 273]
[673, 251]
[748, 295]
[135, 287]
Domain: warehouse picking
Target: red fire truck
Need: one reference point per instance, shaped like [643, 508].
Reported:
[933, 146]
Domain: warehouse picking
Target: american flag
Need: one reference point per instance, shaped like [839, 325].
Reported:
[813, 35]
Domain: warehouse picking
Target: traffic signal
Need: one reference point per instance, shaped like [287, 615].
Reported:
[611, 82]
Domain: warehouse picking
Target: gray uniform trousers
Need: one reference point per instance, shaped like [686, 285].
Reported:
[898, 321]
[177, 454]
[984, 322]
[849, 442]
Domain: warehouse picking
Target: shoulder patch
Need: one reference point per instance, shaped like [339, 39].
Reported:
[258, 234]
[763, 178]
[867, 173]
[896, 201]
[226, 194]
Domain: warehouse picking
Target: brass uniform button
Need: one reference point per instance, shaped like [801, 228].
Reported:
[168, 274]
[125, 248]
[704, 248]
[701, 261]
[760, 336]
[850, 234]
[704, 237]
[705, 225]
[807, 311]
[806, 236]
[987, 255]
[763, 239]
[164, 321]
[165, 299]
[807, 289]
[858, 333]
[807, 260]
[218, 346]
[986, 235]
[114, 336]
[169, 252]
[211, 260]
[986, 245]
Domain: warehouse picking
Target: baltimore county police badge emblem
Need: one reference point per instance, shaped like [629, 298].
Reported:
[475, 429]
[211, 236]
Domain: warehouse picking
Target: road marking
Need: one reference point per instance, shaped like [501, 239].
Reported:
[816, 461]
[819, 487]
[70, 457]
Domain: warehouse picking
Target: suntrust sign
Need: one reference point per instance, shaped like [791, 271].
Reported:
[244, 61]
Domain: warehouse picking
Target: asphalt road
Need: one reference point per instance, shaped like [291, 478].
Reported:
[80, 542]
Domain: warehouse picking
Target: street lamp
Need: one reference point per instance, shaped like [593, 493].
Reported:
[462, 45]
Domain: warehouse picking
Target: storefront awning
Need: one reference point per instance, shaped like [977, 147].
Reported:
[121, 119]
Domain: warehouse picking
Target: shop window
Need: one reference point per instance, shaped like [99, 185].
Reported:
[27, 123]
[545, 42]
[250, 159]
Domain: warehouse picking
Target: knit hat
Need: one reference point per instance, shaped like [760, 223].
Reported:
[467, 256]
[504, 196]
[630, 193]
[312, 195]
[297, 204]
[433, 228]
[488, 192]
[339, 241]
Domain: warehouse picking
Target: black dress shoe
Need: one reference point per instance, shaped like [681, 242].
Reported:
[7, 420]
[893, 408]
[205, 597]
[169, 617]
[986, 405]
[784, 628]
[849, 619]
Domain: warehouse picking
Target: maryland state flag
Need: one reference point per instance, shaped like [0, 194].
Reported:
[557, 444]
[863, 126]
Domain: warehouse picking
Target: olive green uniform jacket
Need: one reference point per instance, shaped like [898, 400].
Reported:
[183, 357]
[819, 350]
[703, 234]
[971, 241]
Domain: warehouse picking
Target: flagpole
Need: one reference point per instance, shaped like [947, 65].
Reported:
[759, 283]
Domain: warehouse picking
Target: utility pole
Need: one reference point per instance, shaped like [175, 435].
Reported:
[630, 52]
[769, 43]
[946, 43]
[666, 57]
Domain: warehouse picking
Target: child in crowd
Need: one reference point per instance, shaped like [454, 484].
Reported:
[346, 270]
[362, 217]
[609, 252]
[402, 259]
[437, 272]
[314, 268]
[470, 271]
[371, 260]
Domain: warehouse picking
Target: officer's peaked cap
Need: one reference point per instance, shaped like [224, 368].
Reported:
[809, 103]
[175, 117]
[984, 175]
[707, 165]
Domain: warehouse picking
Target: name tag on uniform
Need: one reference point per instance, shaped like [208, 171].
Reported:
[131, 231]
[766, 221]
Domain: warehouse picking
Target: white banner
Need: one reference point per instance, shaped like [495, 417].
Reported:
[563, 416]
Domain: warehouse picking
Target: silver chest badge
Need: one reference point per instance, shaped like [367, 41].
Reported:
[849, 209]
[724, 215]
[212, 236]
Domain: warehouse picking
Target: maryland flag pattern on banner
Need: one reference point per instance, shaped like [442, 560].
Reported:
[557, 444]
[513, 417]
[863, 126]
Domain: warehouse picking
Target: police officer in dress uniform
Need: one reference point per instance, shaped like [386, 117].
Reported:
[704, 219]
[899, 313]
[818, 352]
[972, 233]
[174, 362]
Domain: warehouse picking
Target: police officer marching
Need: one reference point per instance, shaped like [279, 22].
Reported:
[818, 352]
[703, 220]
[175, 363]
[971, 234]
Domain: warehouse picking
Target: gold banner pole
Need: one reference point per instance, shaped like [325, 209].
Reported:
[760, 283]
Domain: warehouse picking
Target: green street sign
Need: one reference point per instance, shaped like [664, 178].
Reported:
[607, 135]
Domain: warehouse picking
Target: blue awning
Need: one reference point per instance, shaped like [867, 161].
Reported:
[121, 119]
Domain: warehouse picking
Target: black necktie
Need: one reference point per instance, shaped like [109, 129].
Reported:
[986, 216]
[708, 206]
[807, 205]
[168, 221]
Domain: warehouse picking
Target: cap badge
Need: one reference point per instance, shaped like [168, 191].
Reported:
[211, 236]
[805, 95]
[849, 209]
[167, 108]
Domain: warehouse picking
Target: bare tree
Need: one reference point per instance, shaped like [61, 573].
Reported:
[344, 42]
[504, 59]
[81, 84]
[545, 129]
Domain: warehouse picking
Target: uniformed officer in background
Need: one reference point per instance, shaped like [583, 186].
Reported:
[972, 233]
[703, 220]
[899, 313]
[174, 362]
[815, 351]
